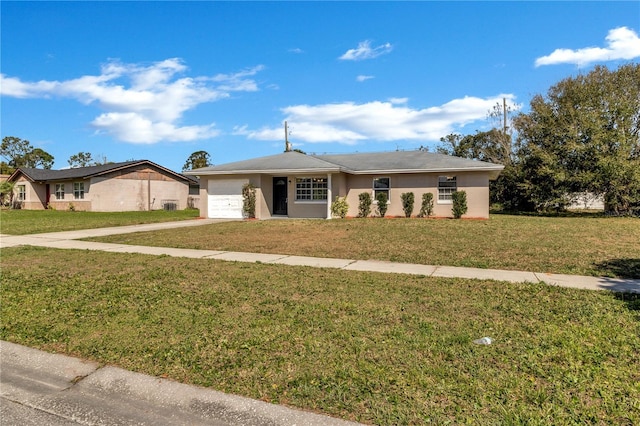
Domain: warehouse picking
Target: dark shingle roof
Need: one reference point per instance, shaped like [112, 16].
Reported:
[42, 175]
[287, 162]
[405, 161]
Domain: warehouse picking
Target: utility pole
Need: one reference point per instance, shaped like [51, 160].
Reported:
[504, 111]
[287, 145]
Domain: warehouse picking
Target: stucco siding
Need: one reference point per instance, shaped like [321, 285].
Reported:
[476, 185]
[68, 200]
[34, 195]
[137, 190]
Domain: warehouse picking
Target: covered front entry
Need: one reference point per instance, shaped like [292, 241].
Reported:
[280, 196]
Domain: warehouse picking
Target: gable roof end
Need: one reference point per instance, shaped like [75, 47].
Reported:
[43, 175]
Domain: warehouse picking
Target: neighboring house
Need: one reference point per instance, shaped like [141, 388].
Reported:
[128, 186]
[586, 201]
[296, 185]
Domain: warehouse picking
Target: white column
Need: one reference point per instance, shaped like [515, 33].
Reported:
[329, 196]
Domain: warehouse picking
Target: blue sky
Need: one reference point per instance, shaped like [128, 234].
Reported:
[160, 80]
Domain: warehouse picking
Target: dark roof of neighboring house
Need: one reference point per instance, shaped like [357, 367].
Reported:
[358, 163]
[43, 175]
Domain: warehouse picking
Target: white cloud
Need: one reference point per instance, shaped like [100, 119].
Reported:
[362, 78]
[622, 43]
[394, 120]
[142, 103]
[135, 128]
[365, 51]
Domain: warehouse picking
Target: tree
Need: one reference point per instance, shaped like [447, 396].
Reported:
[197, 160]
[38, 158]
[6, 193]
[493, 146]
[584, 136]
[19, 153]
[15, 150]
[81, 159]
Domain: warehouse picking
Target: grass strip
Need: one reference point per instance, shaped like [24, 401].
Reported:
[595, 246]
[21, 222]
[376, 348]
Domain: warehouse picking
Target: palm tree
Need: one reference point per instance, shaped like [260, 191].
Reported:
[6, 193]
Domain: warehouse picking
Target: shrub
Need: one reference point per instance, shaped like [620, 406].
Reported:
[71, 207]
[408, 200]
[364, 207]
[340, 207]
[382, 199]
[459, 203]
[249, 200]
[427, 205]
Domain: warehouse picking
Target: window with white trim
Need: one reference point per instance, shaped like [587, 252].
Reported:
[381, 184]
[21, 192]
[447, 185]
[311, 189]
[78, 190]
[60, 191]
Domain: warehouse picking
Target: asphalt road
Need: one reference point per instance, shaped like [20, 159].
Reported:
[39, 388]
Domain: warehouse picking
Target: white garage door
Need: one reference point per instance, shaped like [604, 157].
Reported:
[225, 198]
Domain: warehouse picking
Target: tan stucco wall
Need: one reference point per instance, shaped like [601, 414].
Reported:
[65, 203]
[128, 190]
[476, 186]
[35, 194]
[136, 190]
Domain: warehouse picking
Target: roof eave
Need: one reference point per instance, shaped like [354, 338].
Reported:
[261, 171]
[126, 166]
[497, 168]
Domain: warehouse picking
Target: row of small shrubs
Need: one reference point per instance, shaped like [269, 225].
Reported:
[340, 207]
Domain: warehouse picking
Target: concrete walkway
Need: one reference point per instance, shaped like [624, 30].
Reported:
[69, 240]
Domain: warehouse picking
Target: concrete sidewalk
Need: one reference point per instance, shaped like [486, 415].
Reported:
[39, 388]
[68, 240]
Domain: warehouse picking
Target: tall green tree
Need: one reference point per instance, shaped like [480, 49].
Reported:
[15, 150]
[81, 159]
[584, 136]
[39, 158]
[19, 153]
[492, 146]
[197, 160]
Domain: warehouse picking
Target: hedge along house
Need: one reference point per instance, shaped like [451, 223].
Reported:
[127, 186]
[297, 185]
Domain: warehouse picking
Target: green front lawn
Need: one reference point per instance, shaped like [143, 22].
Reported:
[376, 348]
[586, 245]
[20, 222]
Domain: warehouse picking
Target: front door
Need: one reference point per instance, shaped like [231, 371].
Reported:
[280, 196]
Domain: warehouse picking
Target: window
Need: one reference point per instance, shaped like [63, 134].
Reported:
[22, 192]
[311, 189]
[447, 185]
[78, 190]
[60, 191]
[381, 184]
